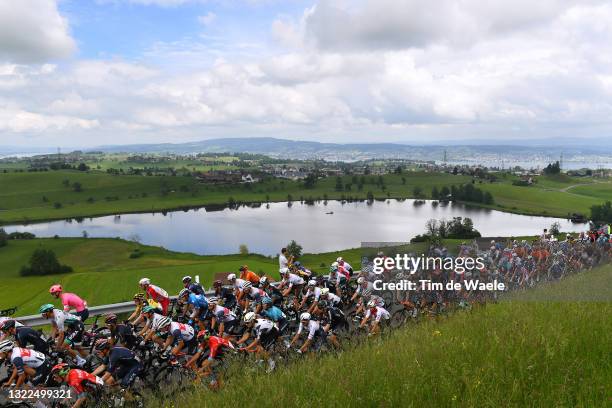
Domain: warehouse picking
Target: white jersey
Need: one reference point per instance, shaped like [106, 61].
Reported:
[334, 299]
[238, 284]
[223, 314]
[380, 314]
[185, 330]
[155, 320]
[313, 326]
[29, 358]
[293, 280]
[314, 293]
[61, 319]
[262, 326]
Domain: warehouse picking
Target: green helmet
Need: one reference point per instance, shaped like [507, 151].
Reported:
[147, 309]
[46, 308]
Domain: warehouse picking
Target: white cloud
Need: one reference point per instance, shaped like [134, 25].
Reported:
[33, 31]
[207, 19]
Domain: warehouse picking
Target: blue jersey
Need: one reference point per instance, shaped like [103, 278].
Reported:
[198, 301]
[120, 356]
[274, 313]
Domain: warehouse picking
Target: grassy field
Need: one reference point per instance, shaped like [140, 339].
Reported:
[27, 197]
[511, 354]
[104, 273]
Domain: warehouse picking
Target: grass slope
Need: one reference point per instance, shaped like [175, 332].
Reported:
[512, 354]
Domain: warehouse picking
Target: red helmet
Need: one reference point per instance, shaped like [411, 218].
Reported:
[60, 369]
[55, 289]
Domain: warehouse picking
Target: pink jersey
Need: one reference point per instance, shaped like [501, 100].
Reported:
[72, 301]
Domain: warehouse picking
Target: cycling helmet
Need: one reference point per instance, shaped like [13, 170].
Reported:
[324, 291]
[110, 318]
[101, 344]
[249, 317]
[139, 296]
[183, 293]
[7, 325]
[213, 300]
[360, 280]
[305, 316]
[297, 264]
[243, 268]
[246, 285]
[60, 369]
[161, 323]
[148, 309]
[339, 259]
[144, 281]
[333, 269]
[186, 279]
[55, 289]
[312, 282]
[283, 271]
[203, 335]
[334, 265]
[266, 301]
[6, 346]
[263, 280]
[217, 283]
[372, 303]
[45, 308]
[231, 276]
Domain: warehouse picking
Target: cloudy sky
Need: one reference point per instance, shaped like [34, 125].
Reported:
[90, 72]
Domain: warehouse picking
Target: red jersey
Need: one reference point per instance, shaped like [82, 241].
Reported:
[78, 378]
[156, 293]
[216, 344]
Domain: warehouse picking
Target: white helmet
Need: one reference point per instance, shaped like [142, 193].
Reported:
[249, 317]
[213, 300]
[360, 280]
[246, 285]
[312, 282]
[283, 271]
[6, 346]
[161, 323]
[324, 291]
[372, 303]
[339, 259]
[263, 280]
[144, 281]
[334, 265]
[231, 276]
[305, 316]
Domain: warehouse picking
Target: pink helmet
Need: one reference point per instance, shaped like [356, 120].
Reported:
[55, 289]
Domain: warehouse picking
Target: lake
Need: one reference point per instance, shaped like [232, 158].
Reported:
[266, 229]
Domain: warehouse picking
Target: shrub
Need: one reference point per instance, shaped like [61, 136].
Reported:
[3, 238]
[44, 262]
[243, 249]
[294, 249]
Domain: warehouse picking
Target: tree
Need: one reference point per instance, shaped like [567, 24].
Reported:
[294, 249]
[403, 180]
[82, 167]
[339, 185]
[552, 168]
[602, 213]
[310, 181]
[417, 191]
[555, 228]
[3, 237]
[435, 194]
[243, 249]
[398, 170]
[44, 262]
[77, 187]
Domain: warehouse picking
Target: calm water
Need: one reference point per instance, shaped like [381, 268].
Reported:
[266, 230]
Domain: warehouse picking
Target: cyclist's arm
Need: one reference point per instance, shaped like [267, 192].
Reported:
[12, 378]
[253, 345]
[193, 359]
[244, 337]
[306, 345]
[99, 370]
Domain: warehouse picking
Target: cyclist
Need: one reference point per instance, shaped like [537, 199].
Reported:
[291, 283]
[313, 292]
[344, 267]
[25, 335]
[336, 280]
[217, 347]
[378, 313]
[252, 294]
[333, 319]
[193, 287]
[120, 333]
[314, 330]
[223, 317]
[28, 364]
[197, 303]
[118, 364]
[156, 293]
[3, 320]
[179, 336]
[71, 302]
[224, 294]
[66, 328]
[274, 314]
[265, 334]
[330, 298]
[153, 329]
[81, 381]
[248, 275]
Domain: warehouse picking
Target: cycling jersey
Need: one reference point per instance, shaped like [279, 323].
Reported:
[274, 313]
[26, 335]
[155, 319]
[238, 283]
[79, 379]
[61, 320]
[216, 346]
[367, 291]
[223, 314]
[196, 288]
[181, 331]
[256, 294]
[334, 299]
[379, 313]
[72, 301]
[4, 319]
[198, 301]
[251, 277]
[337, 278]
[293, 280]
[21, 357]
[123, 334]
[314, 293]
[229, 299]
[262, 326]
[119, 356]
[313, 327]
[156, 293]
